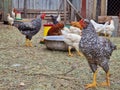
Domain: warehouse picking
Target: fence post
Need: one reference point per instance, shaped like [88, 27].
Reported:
[83, 9]
[25, 8]
[65, 17]
[98, 9]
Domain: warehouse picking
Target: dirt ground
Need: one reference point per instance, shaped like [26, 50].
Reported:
[37, 68]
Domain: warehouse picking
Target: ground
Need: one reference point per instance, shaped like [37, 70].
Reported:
[37, 68]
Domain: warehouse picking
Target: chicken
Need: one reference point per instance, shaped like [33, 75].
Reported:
[55, 29]
[56, 19]
[14, 11]
[72, 37]
[109, 29]
[97, 51]
[105, 29]
[100, 28]
[10, 19]
[29, 29]
[75, 30]
[76, 24]
[72, 40]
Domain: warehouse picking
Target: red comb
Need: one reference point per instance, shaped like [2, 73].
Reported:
[43, 15]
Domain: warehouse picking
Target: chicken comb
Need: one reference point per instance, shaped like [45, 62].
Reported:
[43, 15]
[82, 23]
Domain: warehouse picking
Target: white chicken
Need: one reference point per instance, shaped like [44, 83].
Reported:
[73, 30]
[106, 28]
[72, 40]
[99, 27]
[10, 19]
[109, 29]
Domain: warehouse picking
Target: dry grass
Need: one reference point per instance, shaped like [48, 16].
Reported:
[41, 69]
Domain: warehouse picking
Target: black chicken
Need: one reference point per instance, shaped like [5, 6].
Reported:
[29, 29]
[54, 19]
[97, 51]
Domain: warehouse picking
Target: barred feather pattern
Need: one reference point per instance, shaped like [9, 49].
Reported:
[29, 28]
[97, 50]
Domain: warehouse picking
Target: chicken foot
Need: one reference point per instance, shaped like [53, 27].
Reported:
[79, 53]
[28, 43]
[107, 83]
[69, 51]
[94, 83]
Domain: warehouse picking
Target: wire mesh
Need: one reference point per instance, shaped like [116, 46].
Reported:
[113, 7]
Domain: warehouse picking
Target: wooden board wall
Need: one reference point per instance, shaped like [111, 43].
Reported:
[5, 7]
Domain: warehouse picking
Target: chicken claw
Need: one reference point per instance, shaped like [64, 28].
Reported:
[94, 84]
[80, 54]
[28, 43]
[70, 54]
[107, 83]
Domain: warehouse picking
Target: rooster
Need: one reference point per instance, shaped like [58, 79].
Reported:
[29, 29]
[97, 51]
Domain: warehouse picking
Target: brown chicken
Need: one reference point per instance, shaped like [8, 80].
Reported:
[77, 24]
[55, 29]
[97, 51]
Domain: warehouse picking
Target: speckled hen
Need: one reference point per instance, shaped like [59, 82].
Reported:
[97, 51]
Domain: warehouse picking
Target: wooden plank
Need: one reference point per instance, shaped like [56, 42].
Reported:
[98, 9]
[116, 23]
[2, 9]
[25, 8]
[83, 9]
[103, 7]
[7, 6]
[94, 9]
[65, 17]
[38, 4]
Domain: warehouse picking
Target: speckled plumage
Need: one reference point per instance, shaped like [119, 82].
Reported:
[29, 29]
[97, 50]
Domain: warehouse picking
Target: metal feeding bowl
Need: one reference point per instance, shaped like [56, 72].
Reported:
[55, 43]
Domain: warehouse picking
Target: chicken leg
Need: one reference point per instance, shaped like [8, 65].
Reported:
[94, 83]
[28, 43]
[107, 83]
[69, 51]
[79, 53]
